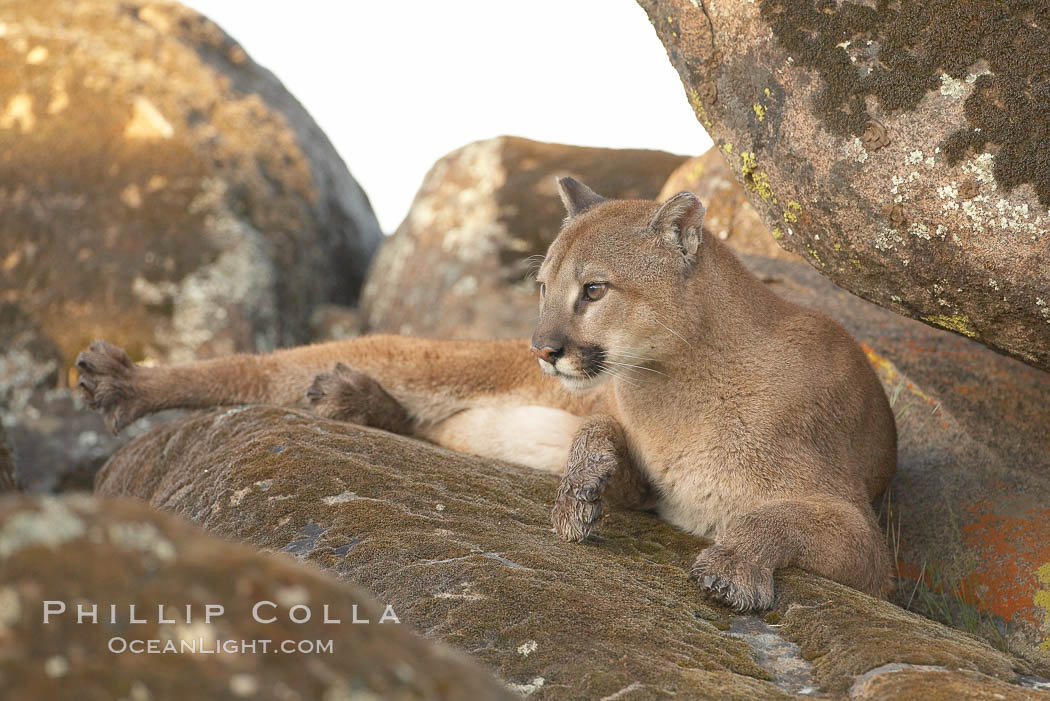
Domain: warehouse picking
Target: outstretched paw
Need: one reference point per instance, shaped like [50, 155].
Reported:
[740, 584]
[577, 506]
[107, 380]
[347, 394]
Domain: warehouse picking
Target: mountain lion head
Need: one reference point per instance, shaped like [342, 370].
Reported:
[608, 281]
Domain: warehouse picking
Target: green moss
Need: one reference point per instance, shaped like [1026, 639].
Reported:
[1042, 599]
[760, 184]
[958, 323]
[747, 163]
[754, 179]
[614, 610]
[698, 108]
[620, 603]
[845, 633]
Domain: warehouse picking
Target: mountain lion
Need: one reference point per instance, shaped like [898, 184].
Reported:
[672, 380]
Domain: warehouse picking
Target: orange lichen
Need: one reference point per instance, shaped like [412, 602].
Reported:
[891, 377]
[1013, 553]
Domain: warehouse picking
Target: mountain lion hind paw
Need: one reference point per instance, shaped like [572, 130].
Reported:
[347, 394]
[732, 580]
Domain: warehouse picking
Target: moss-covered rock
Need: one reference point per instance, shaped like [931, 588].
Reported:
[898, 147]
[84, 552]
[458, 265]
[933, 683]
[463, 549]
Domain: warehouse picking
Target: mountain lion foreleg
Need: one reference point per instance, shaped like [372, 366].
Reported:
[598, 460]
[825, 535]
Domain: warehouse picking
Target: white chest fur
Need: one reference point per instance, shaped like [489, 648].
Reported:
[536, 436]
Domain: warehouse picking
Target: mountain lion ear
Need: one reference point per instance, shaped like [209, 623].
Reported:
[576, 196]
[679, 222]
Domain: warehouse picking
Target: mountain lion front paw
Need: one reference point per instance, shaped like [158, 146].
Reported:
[577, 506]
[726, 577]
[107, 381]
[347, 394]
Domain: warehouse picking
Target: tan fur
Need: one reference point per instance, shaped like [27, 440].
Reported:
[738, 415]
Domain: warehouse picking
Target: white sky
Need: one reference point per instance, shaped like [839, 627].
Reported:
[398, 85]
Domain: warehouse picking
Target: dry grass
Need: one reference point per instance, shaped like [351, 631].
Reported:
[942, 591]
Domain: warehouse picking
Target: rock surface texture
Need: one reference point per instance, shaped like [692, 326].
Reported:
[162, 190]
[463, 549]
[87, 551]
[8, 476]
[158, 189]
[458, 265]
[730, 215]
[900, 148]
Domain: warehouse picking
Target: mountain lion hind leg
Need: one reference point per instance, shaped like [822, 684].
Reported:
[482, 397]
[122, 391]
[825, 535]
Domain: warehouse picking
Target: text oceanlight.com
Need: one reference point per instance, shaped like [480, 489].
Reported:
[207, 646]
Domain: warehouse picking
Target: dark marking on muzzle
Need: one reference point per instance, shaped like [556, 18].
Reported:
[591, 359]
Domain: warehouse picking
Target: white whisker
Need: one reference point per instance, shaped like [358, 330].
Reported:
[632, 355]
[639, 367]
[612, 371]
[657, 319]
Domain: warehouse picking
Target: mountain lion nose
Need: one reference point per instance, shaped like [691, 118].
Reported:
[547, 353]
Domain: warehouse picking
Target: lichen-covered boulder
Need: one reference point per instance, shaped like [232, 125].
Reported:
[162, 190]
[58, 554]
[900, 148]
[730, 215]
[463, 549]
[458, 265]
[158, 189]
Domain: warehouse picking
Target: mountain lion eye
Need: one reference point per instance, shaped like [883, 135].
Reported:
[593, 291]
[543, 289]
